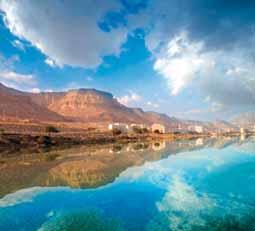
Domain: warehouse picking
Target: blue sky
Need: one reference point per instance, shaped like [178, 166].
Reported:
[191, 58]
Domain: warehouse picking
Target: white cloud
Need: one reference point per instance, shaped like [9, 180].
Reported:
[18, 44]
[18, 78]
[182, 62]
[183, 199]
[12, 78]
[210, 61]
[35, 90]
[129, 99]
[67, 37]
[51, 62]
[235, 71]
[227, 78]
[151, 104]
[21, 196]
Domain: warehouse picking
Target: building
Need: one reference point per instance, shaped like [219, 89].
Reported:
[119, 126]
[243, 130]
[158, 128]
[196, 128]
[199, 129]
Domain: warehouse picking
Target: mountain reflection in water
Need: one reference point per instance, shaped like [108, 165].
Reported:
[85, 167]
[202, 184]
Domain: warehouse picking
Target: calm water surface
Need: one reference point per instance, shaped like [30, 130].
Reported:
[185, 185]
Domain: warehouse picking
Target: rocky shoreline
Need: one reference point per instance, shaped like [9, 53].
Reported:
[14, 142]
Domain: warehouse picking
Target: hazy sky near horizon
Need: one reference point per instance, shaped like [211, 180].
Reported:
[187, 58]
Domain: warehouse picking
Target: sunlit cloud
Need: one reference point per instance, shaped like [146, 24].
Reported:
[18, 78]
[18, 44]
[63, 38]
[130, 98]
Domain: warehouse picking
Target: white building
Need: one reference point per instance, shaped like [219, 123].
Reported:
[199, 129]
[119, 126]
[196, 128]
[158, 128]
[243, 130]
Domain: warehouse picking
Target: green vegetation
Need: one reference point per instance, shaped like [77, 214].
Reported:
[157, 131]
[90, 129]
[44, 141]
[145, 130]
[138, 130]
[51, 157]
[116, 131]
[51, 129]
[2, 131]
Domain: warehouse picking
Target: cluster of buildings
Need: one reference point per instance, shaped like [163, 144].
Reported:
[245, 130]
[155, 128]
[161, 129]
[196, 128]
[125, 128]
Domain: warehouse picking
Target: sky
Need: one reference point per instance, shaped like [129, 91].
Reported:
[190, 59]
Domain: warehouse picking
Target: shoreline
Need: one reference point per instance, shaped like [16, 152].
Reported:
[15, 142]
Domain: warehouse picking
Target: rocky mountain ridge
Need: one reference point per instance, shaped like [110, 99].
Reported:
[85, 106]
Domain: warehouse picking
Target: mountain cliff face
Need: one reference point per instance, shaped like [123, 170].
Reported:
[90, 105]
[87, 105]
[20, 106]
[83, 105]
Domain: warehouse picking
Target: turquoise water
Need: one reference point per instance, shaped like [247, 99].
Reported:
[212, 188]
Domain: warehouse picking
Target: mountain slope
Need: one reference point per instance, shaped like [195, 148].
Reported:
[19, 106]
[86, 105]
[246, 120]
[82, 105]
[90, 105]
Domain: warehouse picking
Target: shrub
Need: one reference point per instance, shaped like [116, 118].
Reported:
[117, 148]
[116, 131]
[44, 140]
[51, 129]
[137, 130]
[157, 131]
[91, 129]
[140, 130]
[145, 130]
[2, 131]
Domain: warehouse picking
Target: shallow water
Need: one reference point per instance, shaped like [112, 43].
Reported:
[185, 185]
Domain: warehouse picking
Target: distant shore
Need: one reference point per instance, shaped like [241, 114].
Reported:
[15, 137]
[16, 141]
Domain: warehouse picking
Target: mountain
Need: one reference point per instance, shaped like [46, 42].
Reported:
[91, 105]
[224, 126]
[87, 105]
[82, 105]
[20, 106]
[246, 120]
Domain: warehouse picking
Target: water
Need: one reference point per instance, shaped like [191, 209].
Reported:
[186, 185]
